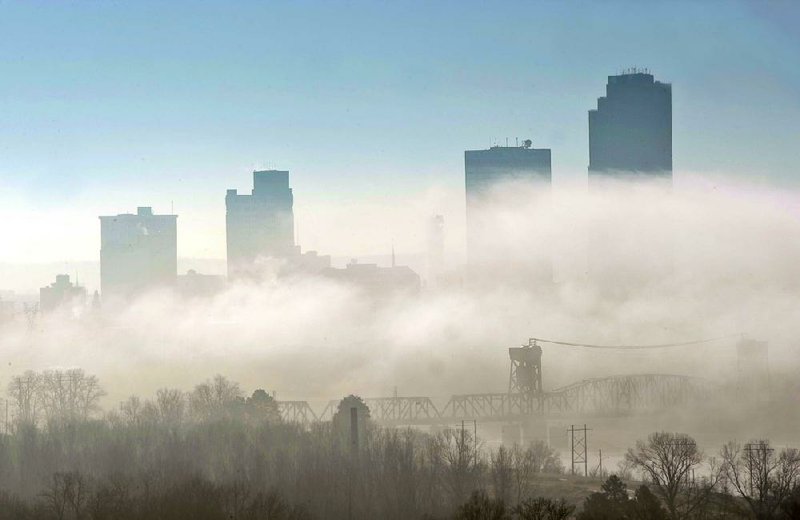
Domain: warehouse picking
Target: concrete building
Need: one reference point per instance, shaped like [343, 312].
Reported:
[377, 281]
[60, 293]
[259, 224]
[137, 252]
[631, 129]
[310, 262]
[198, 285]
[485, 169]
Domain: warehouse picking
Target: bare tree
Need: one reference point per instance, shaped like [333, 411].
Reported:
[131, 410]
[214, 398]
[462, 467]
[55, 496]
[88, 392]
[524, 467]
[68, 395]
[113, 499]
[543, 509]
[545, 459]
[236, 497]
[23, 391]
[525, 463]
[501, 470]
[78, 493]
[67, 492]
[669, 461]
[761, 477]
[171, 405]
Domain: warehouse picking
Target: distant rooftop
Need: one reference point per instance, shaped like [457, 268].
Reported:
[141, 211]
[525, 144]
[634, 75]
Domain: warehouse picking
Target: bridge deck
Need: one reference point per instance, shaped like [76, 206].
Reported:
[609, 396]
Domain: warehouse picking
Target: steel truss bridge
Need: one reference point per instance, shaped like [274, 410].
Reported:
[525, 398]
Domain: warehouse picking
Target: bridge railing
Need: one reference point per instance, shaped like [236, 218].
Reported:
[609, 395]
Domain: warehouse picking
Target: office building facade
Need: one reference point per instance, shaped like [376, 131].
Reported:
[60, 293]
[137, 252]
[630, 131]
[485, 169]
[259, 224]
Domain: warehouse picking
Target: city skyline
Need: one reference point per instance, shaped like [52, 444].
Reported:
[97, 140]
[348, 260]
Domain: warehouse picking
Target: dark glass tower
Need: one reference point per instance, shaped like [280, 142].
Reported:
[631, 129]
[484, 169]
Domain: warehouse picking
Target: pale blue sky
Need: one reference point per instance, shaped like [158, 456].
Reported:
[177, 101]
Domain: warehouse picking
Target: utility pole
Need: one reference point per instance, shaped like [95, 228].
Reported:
[463, 433]
[475, 440]
[758, 453]
[585, 453]
[601, 463]
[580, 446]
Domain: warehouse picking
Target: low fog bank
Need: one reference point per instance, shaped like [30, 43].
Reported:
[624, 264]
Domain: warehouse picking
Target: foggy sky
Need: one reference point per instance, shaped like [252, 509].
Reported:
[107, 107]
[733, 269]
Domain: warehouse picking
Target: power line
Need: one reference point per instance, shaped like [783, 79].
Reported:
[632, 347]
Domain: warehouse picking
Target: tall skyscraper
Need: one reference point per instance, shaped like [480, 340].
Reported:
[137, 252]
[486, 168]
[630, 137]
[260, 224]
[631, 129]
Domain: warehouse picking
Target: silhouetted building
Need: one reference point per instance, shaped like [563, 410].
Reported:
[309, 262]
[194, 284]
[61, 292]
[137, 252]
[260, 224]
[630, 136]
[631, 129]
[485, 169]
[375, 280]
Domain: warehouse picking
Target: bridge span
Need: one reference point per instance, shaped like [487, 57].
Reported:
[525, 399]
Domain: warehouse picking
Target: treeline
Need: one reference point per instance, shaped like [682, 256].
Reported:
[213, 453]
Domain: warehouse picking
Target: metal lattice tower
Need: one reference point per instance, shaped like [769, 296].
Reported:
[580, 448]
[526, 370]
